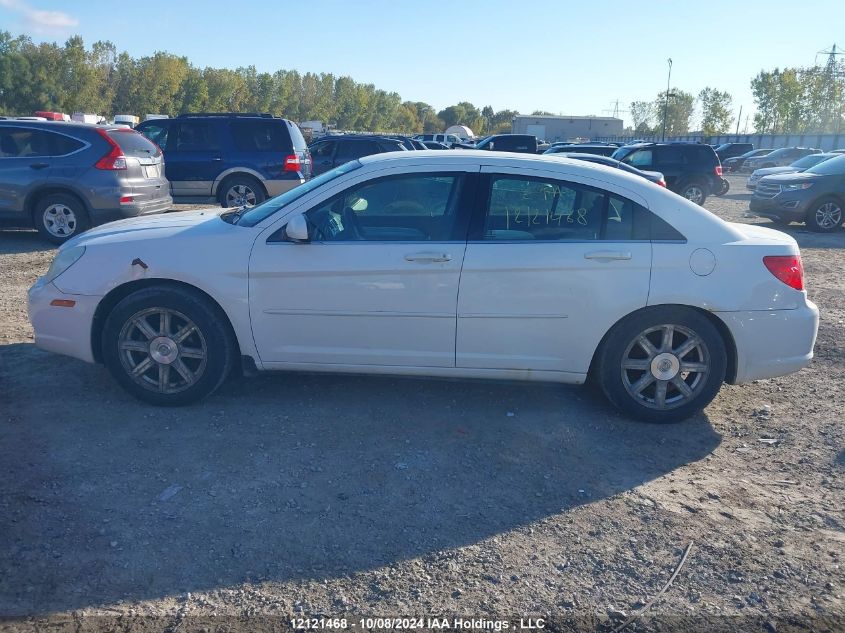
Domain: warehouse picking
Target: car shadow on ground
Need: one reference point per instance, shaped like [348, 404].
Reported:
[22, 241]
[288, 476]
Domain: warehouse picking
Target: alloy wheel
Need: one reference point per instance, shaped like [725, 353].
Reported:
[162, 350]
[665, 366]
[240, 196]
[829, 215]
[694, 193]
[59, 220]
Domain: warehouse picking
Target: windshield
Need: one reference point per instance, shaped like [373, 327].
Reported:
[831, 167]
[263, 211]
[809, 161]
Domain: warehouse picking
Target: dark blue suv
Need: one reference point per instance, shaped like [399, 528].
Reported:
[241, 159]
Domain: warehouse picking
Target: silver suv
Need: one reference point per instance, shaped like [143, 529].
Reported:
[63, 178]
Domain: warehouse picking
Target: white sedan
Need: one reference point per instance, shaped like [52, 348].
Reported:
[460, 264]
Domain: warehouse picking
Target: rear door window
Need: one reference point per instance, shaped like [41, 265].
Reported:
[350, 150]
[196, 136]
[670, 156]
[269, 135]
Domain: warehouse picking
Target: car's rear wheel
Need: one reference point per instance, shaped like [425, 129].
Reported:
[662, 364]
[60, 216]
[724, 187]
[825, 216]
[241, 191]
[167, 346]
[694, 192]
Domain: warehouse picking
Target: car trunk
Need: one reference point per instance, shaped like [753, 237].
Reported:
[143, 178]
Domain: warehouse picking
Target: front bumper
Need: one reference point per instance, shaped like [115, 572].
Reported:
[787, 206]
[772, 343]
[63, 330]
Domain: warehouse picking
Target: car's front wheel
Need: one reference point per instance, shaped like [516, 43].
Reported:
[167, 346]
[825, 216]
[662, 364]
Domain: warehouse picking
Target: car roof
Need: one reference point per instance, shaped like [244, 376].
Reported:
[59, 125]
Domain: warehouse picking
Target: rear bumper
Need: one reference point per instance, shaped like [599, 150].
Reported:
[772, 343]
[63, 330]
[159, 205]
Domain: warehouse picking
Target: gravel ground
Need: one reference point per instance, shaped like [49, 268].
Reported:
[314, 495]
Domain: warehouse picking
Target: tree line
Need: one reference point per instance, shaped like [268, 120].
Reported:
[73, 78]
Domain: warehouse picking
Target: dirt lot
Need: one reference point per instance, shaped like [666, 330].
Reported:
[292, 495]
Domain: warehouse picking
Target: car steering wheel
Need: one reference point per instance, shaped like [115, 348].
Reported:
[351, 224]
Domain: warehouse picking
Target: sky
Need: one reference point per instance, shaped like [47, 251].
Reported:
[566, 57]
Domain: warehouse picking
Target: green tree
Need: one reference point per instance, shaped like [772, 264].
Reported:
[716, 113]
[643, 116]
[678, 111]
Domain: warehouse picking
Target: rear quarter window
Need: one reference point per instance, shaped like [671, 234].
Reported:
[271, 135]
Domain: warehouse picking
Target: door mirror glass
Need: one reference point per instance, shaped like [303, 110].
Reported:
[359, 205]
[296, 229]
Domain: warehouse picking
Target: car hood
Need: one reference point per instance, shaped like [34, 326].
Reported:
[768, 171]
[149, 226]
[796, 176]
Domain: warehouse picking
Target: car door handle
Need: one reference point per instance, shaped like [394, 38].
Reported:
[217, 158]
[39, 165]
[607, 255]
[428, 257]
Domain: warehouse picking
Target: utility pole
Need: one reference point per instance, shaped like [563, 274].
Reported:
[738, 119]
[832, 76]
[666, 106]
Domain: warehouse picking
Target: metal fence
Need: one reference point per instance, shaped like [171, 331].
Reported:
[760, 141]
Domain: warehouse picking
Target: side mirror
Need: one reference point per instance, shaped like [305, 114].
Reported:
[490, 146]
[296, 229]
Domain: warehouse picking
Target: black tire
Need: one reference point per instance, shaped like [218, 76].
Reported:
[619, 385]
[694, 191]
[825, 215]
[59, 217]
[237, 190]
[724, 187]
[212, 338]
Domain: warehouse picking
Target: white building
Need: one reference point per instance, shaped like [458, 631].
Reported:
[566, 128]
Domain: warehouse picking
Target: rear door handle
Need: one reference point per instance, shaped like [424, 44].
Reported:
[428, 257]
[607, 255]
[39, 165]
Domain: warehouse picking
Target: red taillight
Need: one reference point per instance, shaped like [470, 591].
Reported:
[787, 268]
[661, 182]
[718, 170]
[114, 160]
[292, 163]
[127, 199]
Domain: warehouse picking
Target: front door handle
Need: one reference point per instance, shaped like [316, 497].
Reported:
[607, 255]
[39, 165]
[428, 257]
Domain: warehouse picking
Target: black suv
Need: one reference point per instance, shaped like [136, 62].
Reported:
[241, 159]
[522, 143]
[815, 196]
[331, 151]
[691, 169]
